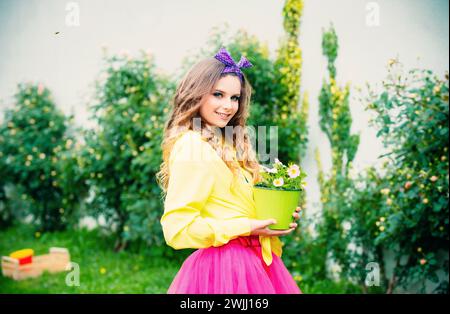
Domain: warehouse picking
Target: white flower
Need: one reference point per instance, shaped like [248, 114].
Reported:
[278, 162]
[278, 182]
[293, 171]
[273, 170]
[122, 101]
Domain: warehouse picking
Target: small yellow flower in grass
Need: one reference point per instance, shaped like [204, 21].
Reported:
[382, 219]
[436, 89]
[102, 270]
[278, 182]
[419, 249]
[298, 278]
[293, 171]
[425, 201]
[385, 191]
[42, 155]
[423, 261]
[37, 234]
[381, 228]
[441, 228]
[389, 201]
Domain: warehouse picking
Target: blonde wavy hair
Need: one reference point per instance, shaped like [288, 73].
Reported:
[189, 96]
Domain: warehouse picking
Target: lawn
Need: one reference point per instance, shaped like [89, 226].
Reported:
[101, 269]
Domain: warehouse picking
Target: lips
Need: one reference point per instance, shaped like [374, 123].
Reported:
[223, 116]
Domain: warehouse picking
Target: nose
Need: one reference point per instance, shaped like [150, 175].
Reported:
[227, 104]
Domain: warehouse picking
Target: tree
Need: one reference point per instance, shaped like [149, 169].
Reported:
[33, 141]
[122, 153]
[287, 114]
[335, 121]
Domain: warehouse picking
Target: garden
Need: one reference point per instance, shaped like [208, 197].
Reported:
[94, 190]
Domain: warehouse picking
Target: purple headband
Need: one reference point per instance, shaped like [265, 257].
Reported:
[230, 66]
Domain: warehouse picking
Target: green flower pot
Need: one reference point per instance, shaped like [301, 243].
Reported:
[276, 204]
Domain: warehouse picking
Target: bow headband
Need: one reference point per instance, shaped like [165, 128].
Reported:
[230, 66]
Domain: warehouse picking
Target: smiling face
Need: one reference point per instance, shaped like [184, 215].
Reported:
[222, 103]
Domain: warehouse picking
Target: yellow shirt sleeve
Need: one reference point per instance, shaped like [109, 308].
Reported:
[190, 184]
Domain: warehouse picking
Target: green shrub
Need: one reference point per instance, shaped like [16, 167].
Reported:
[122, 153]
[33, 142]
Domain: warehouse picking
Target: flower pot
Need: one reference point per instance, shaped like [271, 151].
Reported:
[276, 204]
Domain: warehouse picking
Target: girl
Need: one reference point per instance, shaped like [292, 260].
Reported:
[209, 201]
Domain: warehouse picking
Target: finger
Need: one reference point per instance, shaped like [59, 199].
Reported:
[296, 215]
[268, 222]
[281, 232]
[293, 225]
[298, 209]
[289, 231]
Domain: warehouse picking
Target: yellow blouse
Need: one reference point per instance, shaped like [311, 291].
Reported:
[202, 208]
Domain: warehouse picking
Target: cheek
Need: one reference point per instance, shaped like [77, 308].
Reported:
[209, 105]
[235, 107]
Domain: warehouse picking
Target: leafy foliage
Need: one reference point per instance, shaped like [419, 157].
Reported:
[122, 155]
[34, 152]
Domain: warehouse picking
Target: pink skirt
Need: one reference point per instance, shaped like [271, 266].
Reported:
[236, 268]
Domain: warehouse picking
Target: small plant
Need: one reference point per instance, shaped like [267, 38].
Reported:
[282, 177]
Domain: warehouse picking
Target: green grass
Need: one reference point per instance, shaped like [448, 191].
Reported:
[123, 272]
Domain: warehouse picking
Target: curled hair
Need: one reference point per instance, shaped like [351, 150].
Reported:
[189, 96]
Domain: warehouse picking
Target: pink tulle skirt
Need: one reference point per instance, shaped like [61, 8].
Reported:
[236, 268]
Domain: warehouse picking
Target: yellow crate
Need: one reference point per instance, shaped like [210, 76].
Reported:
[57, 260]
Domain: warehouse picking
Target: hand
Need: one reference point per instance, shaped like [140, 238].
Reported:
[260, 227]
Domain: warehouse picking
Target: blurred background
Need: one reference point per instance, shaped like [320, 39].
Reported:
[358, 89]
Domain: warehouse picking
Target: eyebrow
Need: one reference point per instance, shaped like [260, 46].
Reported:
[239, 94]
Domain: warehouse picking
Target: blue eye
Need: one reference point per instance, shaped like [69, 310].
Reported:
[235, 98]
[217, 94]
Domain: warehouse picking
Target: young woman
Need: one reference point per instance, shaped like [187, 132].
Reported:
[207, 178]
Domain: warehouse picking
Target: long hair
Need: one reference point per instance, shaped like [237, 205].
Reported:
[186, 103]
